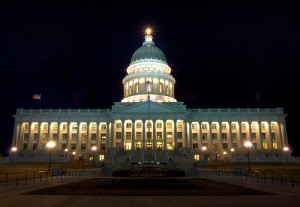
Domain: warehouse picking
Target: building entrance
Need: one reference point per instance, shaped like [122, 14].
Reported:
[138, 146]
[159, 147]
[149, 146]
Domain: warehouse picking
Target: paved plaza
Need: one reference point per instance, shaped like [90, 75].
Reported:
[186, 192]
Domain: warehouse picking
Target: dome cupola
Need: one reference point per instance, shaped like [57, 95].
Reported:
[148, 75]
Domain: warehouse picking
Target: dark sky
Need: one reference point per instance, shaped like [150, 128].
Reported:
[221, 54]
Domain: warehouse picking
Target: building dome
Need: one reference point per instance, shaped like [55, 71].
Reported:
[148, 51]
[148, 75]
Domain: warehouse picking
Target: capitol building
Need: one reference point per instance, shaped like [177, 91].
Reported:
[149, 124]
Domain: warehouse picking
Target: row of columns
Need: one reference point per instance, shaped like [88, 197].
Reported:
[187, 132]
[130, 90]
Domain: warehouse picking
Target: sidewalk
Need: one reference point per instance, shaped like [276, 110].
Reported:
[14, 196]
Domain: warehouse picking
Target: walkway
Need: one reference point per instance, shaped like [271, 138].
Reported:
[14, 196]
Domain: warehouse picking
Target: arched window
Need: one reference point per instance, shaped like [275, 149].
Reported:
[130, 89]
[136, 88]
[161, 88]
[167, 89]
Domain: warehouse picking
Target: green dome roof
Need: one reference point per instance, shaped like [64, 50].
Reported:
[148, 51]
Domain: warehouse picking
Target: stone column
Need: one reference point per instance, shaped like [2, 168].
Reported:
[259, 138]
[69, 138]
[165, 134]
[30, 137]
[200, 136]
[112, 139]
[122, 133]
[40, 139]
[190, 137]
[19, 146]
[229, 136]
[98, 141]
[285, 136]
[133, 135]
[250, 131]
[59, 141]
[49, 132]
[108, 137]
[88, 137]
[269, 141]
[78, 146]
[220, 147]
[185, 127]
[175, 136]
[209, 139]
[154, 134]
[279, 136]
[240, 142]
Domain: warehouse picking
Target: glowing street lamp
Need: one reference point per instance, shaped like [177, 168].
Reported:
[232, 150]
[13, 151]
[286, 150]
[66, 151]
[94, 148]
[204, 148]
[248, 145]
[73, 155]
[225, 154]
[50, 145]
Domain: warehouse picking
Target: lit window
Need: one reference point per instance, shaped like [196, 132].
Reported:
[128, 135]
[103, 136]
[169, 124]
[179, 124]
[213, 126]
[224, 136]
[159, 125]
[204, 126]
[243, 126]
[139, 135]
[224, 126]
[94, 127]
[55, 127]
[194, 126]
[103, 126]
[128, 125]
[195, 136]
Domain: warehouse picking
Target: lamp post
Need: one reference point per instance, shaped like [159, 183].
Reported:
[225, 155]
[73, 155]
[13, 151]
[232, 150]
[204, 148]
[66, 151]
[94, 148]
[286, 150]
[50, 145]
[248, 145]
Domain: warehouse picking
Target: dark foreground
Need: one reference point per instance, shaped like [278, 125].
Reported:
[149, 187]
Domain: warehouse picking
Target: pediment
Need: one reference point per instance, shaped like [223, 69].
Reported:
[152, 107]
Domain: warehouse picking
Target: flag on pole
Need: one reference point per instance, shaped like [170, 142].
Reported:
[36, 96]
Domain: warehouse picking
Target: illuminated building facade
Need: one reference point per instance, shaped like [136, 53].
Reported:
[149, 119]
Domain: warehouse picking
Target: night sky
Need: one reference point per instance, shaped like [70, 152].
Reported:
[222, 54]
